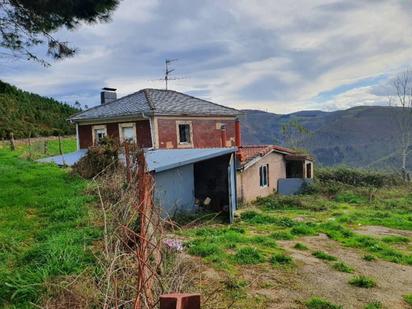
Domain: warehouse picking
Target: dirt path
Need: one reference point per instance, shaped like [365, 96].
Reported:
[382, 231]
[314, 277]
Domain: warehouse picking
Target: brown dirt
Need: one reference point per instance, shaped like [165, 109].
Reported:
[290, 288]
[382, 231]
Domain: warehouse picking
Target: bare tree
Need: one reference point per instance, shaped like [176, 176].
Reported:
[402, 99]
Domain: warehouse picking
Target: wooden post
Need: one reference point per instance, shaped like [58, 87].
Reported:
[29, 143]
[60, 146]
[12, 144]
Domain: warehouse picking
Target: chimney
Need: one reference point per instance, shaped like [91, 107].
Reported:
[223, 135]
[238, 138]
[107, 95]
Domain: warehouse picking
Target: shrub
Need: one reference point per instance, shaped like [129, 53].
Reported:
[324, 256]
[319, 303]
[97, 159]
[280, 259]
[363, 282]
[248, 255]
[357, 177]
[300, 246]
[342, 267]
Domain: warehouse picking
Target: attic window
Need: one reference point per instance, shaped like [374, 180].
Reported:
[184, 130]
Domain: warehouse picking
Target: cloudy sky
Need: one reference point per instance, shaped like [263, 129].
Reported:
[279, 56]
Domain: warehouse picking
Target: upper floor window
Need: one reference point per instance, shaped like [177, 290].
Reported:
[127, 132]
[264, 175]
[184, 131]
[99, 132]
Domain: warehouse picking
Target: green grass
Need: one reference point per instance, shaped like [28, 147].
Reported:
[408, 299]
[374, 305]
[300, 246]
[281, 259]
[342, 267]
[324, 256]
[369, 257]
[45, 229]
[363, 282]
[248, 255]
[319, 303]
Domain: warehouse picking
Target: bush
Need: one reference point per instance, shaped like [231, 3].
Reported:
[357, 177]
[98, 158]
[363, 282]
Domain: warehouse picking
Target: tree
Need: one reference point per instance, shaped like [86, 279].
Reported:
[26, 24]
[402, 98]
[77, 105]
[293, 134]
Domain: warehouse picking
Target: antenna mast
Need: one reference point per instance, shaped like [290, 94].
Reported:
[167, 70]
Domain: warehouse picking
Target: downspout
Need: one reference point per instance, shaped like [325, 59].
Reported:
[77, 137]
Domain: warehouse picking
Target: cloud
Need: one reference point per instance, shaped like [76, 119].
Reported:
[280, 56]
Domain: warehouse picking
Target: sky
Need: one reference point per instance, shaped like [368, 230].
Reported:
[279, 56]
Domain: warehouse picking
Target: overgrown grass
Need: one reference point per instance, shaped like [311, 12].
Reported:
[300, 246]
[281, 259]
[46, 230]
[374, 305]
[363, 282]
[319, 303]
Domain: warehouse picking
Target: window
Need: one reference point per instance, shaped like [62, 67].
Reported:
[99, 132]
[308, 170]
[184, 133]
[264, 175]
[127, 132]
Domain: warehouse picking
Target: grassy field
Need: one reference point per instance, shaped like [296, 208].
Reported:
[348, 240]
[46, 229]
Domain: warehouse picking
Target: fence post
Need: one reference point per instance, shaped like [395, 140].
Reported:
[180, 301]
[46, 146]
[12, 144]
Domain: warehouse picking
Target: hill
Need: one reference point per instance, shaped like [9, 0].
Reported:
[25, 113]
[363, 136]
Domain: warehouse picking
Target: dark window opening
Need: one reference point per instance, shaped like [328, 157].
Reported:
[294, 169]
[308, 170]
[264, 175]
[184, 133]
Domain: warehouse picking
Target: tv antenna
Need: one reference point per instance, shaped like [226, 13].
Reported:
[168, 70]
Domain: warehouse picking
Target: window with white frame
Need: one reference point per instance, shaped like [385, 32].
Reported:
[184, 132]
[99, 132]
[264, 175]
[127, 132]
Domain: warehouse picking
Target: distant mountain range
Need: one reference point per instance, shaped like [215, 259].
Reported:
[365, 136]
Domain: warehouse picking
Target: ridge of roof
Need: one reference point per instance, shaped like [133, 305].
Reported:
[149, 98]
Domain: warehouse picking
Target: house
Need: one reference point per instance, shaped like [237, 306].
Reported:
[265, 169]
[155, 118]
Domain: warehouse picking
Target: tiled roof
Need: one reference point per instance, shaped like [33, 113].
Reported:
[157, 102]
[247, 153]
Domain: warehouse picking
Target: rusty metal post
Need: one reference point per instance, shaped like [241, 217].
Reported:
[180, 301]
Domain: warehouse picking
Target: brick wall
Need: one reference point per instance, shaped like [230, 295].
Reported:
[143, 134]
[206, 132]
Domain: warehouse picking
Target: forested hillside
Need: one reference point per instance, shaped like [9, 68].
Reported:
[365, 136]
[25, 113]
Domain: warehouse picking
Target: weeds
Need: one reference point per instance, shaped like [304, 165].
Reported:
[408, 299]
[324, 256]
[342, 267]
[300, 246]
[374, 305]
[363, 282]
[369, 257]
[319, 303]
[280, 259]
